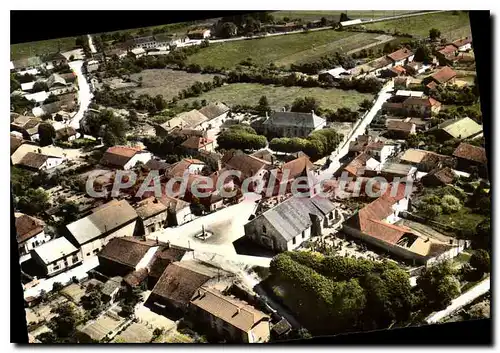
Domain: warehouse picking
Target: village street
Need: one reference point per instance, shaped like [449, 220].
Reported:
[84, 94]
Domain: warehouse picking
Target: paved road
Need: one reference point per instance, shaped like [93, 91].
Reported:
[214, 41]
[461, 301]
[91, 44]
[358, 129]
[84, 94]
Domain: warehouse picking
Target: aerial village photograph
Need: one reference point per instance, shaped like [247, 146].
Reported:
[255, 178]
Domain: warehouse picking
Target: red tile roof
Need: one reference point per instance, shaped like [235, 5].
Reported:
[196, 142]
[385, 231]
[356, 166]
[421, 101]
[470, 152]
[27, 227]
[298, 167]
[400, 54]
[398, 70]
[444, 75]
[118, 155]
[447, 50]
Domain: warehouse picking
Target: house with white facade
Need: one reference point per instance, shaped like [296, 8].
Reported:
[93, 232]
[56, 256]
[124, 157]
[29, 233]
[401, 57]
[153, 214]
[39, 161]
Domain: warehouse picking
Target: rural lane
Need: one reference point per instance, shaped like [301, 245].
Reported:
[84, 94]
[461, 301]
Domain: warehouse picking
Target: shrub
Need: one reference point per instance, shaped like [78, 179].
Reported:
[450, 204]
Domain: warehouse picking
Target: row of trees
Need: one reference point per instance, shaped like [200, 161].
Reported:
[200, 87]
[325, 62]
[241, 137]
[319, 144]
[361, 294]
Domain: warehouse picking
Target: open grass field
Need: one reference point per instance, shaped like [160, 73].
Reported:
[281, 50]
[278, 96]
[166, 82]
[447, 22]
[335, 14]
[26, 50]
[342, 45]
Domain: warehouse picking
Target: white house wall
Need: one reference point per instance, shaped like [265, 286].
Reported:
[92, 248]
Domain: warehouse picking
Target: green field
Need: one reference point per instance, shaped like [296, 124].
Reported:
[335, 14]
[448, 23]
[278, 96]
[281, 50]
[25, 50]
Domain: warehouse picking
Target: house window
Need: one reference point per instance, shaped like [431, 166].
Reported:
[74, 259]
[56, 268]
[88, 254]
[303, 234]
[264, 230]
[294, 241]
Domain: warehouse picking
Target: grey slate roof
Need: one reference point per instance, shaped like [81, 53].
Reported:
[213, 110]
[310, 120]
[106, 218]
[292, 216]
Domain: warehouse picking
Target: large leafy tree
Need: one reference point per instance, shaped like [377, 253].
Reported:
[305, 105]
[480, 260]
[46, 133]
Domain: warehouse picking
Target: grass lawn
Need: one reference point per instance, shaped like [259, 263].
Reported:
[166, 82]
[281, 50]
[463, 219]
[335, 14]
[278, 96]
[25, 50]
[448, 23]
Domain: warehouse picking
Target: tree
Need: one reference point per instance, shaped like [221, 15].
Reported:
[238, 139]
[431, 211]
[228, 30]
[14, 83]
[69, 212]
[46, 133]
[66, 320]
[423, 54]
[57, 286]
[305, 105]
[480, 260]
[366, 104]
[263, 107]
[34, 202]
[438, 286]
[47, 337]
[434, 33]
[450, 204]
